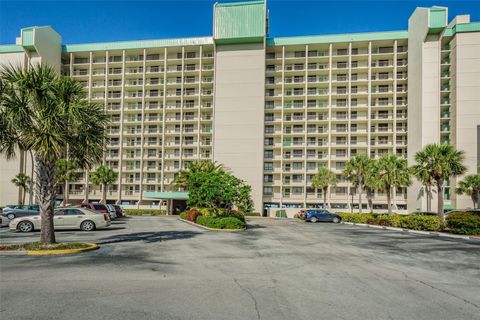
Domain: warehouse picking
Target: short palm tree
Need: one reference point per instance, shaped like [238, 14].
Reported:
[470, 185]
[322, 180]
[422, 173]
[66, 171]
[390, 172]
[103, 176]
[22, 181]
[47, 114]
[356, 171]
[206, 166]
[441, 161]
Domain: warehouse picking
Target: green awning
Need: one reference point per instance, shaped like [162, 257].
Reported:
[166, 195]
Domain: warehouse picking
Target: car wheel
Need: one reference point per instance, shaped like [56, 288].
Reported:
[25, 226]
[87, 225]
[313, 219]
[11, 216]
[336, 220]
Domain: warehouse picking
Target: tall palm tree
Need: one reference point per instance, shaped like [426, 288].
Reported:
[422, 173]
[22, 181]
[441, 161]
[391, 171]
[66, 171]
[206, 166]
[470, 185]
[322, 180]
[45, 112]
[356, 171]
[103, 176]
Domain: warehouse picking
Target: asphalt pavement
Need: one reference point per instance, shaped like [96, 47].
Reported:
[162, 268]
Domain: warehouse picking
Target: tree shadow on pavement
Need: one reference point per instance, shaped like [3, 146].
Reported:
[149, 237]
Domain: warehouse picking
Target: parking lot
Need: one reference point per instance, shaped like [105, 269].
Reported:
[162, 268]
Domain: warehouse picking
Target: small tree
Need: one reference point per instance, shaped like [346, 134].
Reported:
[23, 182]
[390, 172]
[441, 161]
[322, 180]
[103, 176]
[182, 179]
[422, 173]
[356, 171]
[66, 171]
[470, 185]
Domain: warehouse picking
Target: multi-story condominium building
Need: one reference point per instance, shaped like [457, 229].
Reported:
[271, 109]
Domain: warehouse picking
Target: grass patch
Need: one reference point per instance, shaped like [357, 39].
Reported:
[39, 246]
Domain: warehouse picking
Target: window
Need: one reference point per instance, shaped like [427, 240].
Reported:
[268, 166]
[268, 154]
[268, 191]
[268, 178]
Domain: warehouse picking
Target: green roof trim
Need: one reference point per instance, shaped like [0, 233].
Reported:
[462, 27]
[139, 44]
[333, 38]
[166, 195]
[10, 48]
[239, 22]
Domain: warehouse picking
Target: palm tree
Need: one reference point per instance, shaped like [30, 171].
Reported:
[441, 161]
[105, 177]
[422, 173]
[22, 181]
[391, 171]
[206, 166]
[322, 180]
[470, 185]
[65, 172]
[356, 171]
[47, 114]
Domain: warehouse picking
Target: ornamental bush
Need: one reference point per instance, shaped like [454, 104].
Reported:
[221, 223]
[387, 220]
[356, 217]
[193, 214]
[427, 223]
[414, 222]
[464, 223]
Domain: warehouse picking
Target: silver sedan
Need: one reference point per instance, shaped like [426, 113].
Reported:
[65, 218]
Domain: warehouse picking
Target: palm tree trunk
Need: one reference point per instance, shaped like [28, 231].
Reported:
[369, 199]
[360, 190]
[86, 187]
[46, 193]
[32, 174]
[104, 193]
[440, 199]
[24, 193]
[389, 205]
[325, 198]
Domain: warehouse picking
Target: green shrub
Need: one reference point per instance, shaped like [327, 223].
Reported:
[464, 223]
[183, 215]
[139, 212]
[427, 223]
[252, 214]
[221, 223]
[388, 220]
[356, 217]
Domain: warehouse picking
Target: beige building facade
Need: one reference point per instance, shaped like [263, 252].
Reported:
[272, 110]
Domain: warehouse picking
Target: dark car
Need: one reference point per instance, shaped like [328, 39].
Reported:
[316, 215]
[425, 213]
[119, 210]
[15, 211]
[98, 207]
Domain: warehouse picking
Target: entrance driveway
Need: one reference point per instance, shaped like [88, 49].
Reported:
[162, 268]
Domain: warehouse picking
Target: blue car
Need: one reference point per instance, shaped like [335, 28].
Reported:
[321, 215]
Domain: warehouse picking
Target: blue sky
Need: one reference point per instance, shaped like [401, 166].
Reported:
[99, 21]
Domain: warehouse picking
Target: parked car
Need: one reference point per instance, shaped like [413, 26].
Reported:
[95, 207]
[65, 218]
[316, 215]
[119, 210]
[14, 211]
[111, 211]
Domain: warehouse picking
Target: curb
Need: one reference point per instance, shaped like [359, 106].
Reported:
[427, 233]
[91, 246]
[211, 229]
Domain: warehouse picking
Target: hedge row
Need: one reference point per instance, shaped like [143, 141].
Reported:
[464, 223]
[221, 222]
[139, 212]
[426, 223]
